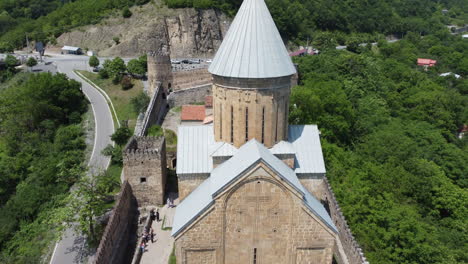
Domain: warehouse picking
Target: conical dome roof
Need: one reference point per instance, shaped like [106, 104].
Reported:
[253, 47]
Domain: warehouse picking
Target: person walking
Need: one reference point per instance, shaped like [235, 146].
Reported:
[142, 247]
[152, 235]
[152, 216]
[157, 215]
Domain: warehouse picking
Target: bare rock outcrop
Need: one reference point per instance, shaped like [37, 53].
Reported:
[189, 32]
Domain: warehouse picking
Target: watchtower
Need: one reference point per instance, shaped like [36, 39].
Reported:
[144, 167]
[159, 70]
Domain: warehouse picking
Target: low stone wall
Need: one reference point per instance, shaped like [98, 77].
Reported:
[189, 78]
[351, 248]
[116, 240]
[188, 96]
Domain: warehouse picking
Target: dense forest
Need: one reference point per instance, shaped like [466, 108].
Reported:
[389, 139]
[41, 156]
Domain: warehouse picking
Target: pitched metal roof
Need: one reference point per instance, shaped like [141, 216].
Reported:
[283, 147]
[306, 142]
[197, 202]
[193, 149]
[196, 147]
[253, 47]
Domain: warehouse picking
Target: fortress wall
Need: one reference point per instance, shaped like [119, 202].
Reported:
[116, 241]
[190, 78]
[188, 96]
[351, 248]
[155, 112]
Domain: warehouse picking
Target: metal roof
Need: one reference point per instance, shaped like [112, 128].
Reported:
[197, 202]
[70, 48]
[283, 147]
[253, 47]
[306, 142]
[193, 149]
[222, 149]
[196, 147]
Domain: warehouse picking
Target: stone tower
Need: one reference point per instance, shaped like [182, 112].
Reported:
[252, 74]
[159, 60]
[144, 165]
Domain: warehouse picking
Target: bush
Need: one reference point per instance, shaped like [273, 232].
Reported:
[116, 40]
[140, 102]
[155, 131]
[93, 61]
[103, 74]
[121, 135]
[126, 13]
[126, 83]
[115, 152]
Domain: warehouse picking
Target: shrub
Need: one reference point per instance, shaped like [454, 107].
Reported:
[140, 102]
[126, 13]
[103, 74]
[93, 61]
[155, 131]
[126, 82]
[116, 40]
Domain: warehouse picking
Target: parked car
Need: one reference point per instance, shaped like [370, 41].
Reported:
[186, 61]
[194, 61]
[97, 69]
[209, 61]
[175, 61]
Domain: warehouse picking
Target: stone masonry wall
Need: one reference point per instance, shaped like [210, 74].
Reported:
[350, 246]
[145, 169]
[189, 96]
[114, 242]
[188, 183]
[257, 217]
[190, 78]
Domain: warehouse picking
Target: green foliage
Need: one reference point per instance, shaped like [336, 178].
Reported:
[116, 40]
[155, 131]
[126, 83]
[41, 156]
[140, 102]
[31, 62]
[388, 135]
[126, 13]
[93, 61]
[172, 257]
[103, 74]
[137, 67]
[115, 152]
[121, 135]
[89, 201]
[115, 68]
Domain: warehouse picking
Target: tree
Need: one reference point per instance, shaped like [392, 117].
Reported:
[31, 62]
[155, 131]
[136, 67]
[90, 199]
[93, 61]
[126, 83]
[121, 135]
[115, 67]
[126, 13]
[116, 40]
[140, 102]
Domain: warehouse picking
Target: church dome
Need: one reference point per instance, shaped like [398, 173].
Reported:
[253, 47]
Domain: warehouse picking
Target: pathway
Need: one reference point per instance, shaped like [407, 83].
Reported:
[159, 251]
[70, 249]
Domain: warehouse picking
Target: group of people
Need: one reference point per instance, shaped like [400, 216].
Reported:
[149, 234]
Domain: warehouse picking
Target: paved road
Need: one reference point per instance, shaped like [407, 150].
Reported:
[70, 248]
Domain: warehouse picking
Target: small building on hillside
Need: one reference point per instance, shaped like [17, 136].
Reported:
[445, 74]
[304, 51]
[426, 62]
[71, 50]
[462, 131]
[192, 114]
[465, 36]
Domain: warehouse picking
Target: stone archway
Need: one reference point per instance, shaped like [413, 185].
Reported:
[257, 223]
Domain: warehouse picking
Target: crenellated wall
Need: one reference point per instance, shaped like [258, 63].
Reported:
[190, 78]
[144, 167]
[116, 243]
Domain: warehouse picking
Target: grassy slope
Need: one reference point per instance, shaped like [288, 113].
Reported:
[120, 98]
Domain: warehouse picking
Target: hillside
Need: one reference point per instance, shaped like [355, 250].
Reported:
[189, 32]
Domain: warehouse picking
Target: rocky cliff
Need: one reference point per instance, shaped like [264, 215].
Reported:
[189, 32]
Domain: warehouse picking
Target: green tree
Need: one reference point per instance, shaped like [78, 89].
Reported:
[31, 62]
[136, 67]
[115, 68]
[140, 102]
[121, 135]
[93, 61]
[126, 13]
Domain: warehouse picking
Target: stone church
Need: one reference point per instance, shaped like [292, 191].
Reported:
[248, 183]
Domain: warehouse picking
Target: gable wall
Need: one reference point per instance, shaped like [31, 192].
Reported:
[259, 211]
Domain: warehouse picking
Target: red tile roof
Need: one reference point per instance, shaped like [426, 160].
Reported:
[426, 62]
[193, 113]
[209, 101]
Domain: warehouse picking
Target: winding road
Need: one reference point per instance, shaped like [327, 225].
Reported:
[71, 248]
